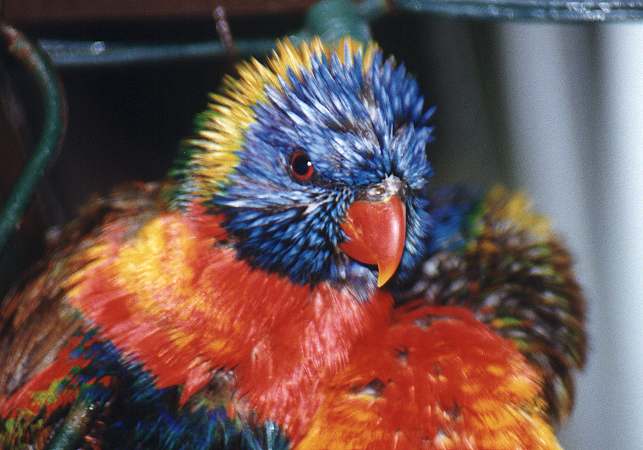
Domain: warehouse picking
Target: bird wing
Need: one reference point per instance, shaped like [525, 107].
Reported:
[66, 383]
[35, 320]
[40, 330]
[493, 255]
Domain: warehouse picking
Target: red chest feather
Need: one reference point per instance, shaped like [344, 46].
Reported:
[435, 379]
[185, 307]
[316, 361]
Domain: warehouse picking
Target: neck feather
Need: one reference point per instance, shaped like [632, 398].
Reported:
[179, 301]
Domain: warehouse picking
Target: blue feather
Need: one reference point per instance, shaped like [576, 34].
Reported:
[149, 417]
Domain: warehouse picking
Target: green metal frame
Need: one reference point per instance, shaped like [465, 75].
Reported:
[55, 118]
[531, 10]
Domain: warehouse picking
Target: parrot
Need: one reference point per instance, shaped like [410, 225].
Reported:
[297, 283]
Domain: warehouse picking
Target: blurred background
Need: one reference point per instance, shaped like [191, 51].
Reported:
[555, 109]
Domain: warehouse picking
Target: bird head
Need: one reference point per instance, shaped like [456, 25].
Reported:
[316, 161]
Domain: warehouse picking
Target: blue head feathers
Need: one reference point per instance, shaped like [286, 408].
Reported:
[356, 117]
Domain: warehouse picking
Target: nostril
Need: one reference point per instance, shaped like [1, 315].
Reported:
[390, 186]
[376, 191]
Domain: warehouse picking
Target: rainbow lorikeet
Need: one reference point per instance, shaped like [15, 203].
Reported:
[295, 284]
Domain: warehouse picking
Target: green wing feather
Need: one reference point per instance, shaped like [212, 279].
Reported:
[517, 277]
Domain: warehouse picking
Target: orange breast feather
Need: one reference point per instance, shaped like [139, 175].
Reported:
[436, 379]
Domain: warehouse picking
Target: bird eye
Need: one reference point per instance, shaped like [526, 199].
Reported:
[301, 167]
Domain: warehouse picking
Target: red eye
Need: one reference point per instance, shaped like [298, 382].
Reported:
[301, 167]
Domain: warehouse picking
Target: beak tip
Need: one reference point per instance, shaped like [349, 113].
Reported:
[384, 274]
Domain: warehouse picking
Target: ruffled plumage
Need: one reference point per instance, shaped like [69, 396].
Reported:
[179, 315]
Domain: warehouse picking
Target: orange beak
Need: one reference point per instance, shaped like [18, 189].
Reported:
[376, 233]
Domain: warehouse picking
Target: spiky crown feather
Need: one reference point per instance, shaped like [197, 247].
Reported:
[358, 116]
[213, 154]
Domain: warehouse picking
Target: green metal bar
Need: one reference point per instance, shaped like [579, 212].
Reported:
[54, 114]
[75, 54]
[532, 10]
[333, 19]
[76, 424]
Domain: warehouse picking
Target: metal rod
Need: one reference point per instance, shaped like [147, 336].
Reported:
[537, 10]
[68, 54]
[55, 118]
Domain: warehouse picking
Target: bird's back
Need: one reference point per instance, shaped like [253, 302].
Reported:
[496, 257]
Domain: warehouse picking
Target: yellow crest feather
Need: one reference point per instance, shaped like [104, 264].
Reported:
[230, 112]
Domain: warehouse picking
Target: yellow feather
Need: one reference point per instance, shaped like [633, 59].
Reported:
[517, 209]
[230, 111]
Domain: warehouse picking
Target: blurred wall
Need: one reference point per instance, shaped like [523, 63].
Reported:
[550, 98]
